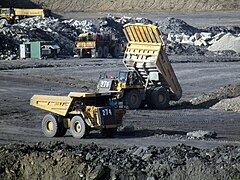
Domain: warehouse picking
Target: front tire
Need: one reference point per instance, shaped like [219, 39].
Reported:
[132, 99]
[99, 53]
[78, 127]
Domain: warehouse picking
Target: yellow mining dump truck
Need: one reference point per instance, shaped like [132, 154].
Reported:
[97, 45]
[10, 15]
[149, 77]
[81, 113]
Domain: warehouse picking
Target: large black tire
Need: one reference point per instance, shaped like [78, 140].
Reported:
[78, 127]
[105, 51]
[99, 53]
[160, 98]
[132, 99]
[50, 126]
[108, 133]
[116, 52]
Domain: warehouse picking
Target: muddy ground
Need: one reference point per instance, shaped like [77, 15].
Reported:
[156, 132]
[21, 79]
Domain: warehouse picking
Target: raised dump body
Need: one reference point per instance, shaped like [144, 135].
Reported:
[79, 112]
[145, 54]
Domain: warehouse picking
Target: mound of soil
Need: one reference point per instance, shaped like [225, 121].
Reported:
[62, 161]
[210, 99]
[232, 104]
[130, 5]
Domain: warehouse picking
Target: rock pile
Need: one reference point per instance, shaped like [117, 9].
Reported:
[61, 161]
[210, 99]
[181, 38]
[232, 104]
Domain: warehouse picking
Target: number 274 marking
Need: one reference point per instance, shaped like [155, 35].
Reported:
[106, 112]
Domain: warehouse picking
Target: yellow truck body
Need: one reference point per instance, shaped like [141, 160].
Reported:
[10, 15]
[79, 112]
[29, 12]
[97, 45]
[85, 44]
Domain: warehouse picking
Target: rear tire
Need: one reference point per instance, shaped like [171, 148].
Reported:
[160, 98]
[50, 126]
[116, 52]
[132, 99]
[105, 51]
[78, 127]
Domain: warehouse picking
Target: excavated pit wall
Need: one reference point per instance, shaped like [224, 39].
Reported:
[62, 161]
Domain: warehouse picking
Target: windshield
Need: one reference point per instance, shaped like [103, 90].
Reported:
[123, 77]
[4, 11]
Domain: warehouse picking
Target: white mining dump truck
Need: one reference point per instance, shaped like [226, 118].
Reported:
[149, 77]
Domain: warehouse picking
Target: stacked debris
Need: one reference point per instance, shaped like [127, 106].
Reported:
[185, 39]
[231, 104]
[61, 161]
[225, 92]
[181, 38]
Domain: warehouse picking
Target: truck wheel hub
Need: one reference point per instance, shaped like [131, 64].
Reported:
[161, 98]
[134, 99]
[78, 127]
[50, 126]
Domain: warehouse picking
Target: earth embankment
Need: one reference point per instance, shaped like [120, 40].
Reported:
[130, 5]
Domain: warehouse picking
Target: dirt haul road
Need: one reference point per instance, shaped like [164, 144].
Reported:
[21, 123]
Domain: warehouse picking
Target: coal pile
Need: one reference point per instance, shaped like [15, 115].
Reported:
[180, 37]
[62, 161]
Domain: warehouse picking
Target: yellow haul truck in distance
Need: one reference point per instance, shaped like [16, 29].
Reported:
[98, 45]
[11, 15]
[81, 113]
[149, 77]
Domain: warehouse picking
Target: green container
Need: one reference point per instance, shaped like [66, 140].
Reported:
[35, 50]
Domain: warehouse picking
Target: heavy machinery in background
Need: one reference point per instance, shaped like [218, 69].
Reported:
[98, 45]
[81, 113]
[149, 77]
[11, 15]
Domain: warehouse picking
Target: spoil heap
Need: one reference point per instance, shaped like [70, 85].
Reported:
[180, 38]
[61, 161]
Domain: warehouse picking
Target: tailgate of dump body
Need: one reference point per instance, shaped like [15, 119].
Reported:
[55, 104]
[145, 54]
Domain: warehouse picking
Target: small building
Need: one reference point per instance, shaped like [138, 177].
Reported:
[39, 50]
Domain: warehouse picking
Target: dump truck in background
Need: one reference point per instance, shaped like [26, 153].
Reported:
[99, 45]
[81, 113]
[149, 77]
[11, 15]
